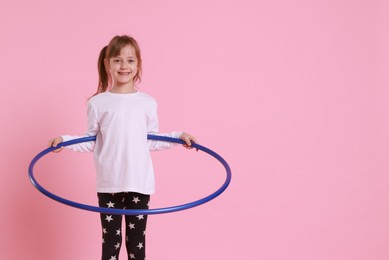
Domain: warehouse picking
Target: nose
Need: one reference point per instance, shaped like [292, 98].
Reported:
[124, 65]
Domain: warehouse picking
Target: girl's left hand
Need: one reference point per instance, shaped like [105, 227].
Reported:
[188, 139]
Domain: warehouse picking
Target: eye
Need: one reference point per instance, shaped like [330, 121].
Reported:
[116, 60]
[131, 60]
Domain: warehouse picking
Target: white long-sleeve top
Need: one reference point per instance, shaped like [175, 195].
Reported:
[121, 123]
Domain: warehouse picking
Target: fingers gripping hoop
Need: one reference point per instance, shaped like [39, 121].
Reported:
[131, 211]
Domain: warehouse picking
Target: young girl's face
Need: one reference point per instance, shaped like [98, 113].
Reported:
[124, 67]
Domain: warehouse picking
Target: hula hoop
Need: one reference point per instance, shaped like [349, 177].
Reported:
[130, 211]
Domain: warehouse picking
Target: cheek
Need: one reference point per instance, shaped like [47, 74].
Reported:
[113, 68]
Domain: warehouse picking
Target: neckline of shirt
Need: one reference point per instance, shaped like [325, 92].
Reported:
[124, 94]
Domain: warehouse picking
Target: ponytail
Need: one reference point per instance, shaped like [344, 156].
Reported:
[103, 75]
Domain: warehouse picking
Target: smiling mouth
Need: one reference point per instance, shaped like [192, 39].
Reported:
[124, 73]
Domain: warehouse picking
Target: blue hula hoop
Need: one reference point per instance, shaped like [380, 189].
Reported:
[130, 211]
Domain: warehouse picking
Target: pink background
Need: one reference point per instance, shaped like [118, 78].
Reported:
[293, 94]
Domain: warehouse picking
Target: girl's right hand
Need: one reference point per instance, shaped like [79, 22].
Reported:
[54, 142]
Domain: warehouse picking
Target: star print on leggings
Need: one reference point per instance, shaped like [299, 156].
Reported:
[136, 200]
[134, 229]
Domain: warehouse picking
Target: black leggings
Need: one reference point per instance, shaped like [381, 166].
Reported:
[112, 225]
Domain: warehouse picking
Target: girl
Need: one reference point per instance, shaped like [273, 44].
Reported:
[121, 117]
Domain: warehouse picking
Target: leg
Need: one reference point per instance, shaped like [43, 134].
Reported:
[111, 226]
[136, 226]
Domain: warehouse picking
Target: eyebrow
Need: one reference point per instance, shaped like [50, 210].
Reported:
[118, 57]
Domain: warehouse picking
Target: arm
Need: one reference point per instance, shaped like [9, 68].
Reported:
[80, 147]
[160, 145]
[155, 145]
[93, 129]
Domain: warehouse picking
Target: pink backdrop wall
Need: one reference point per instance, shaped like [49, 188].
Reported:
[294, 95]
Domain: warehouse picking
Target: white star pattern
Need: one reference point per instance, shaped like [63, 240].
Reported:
[136, 200]
[108, 230]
